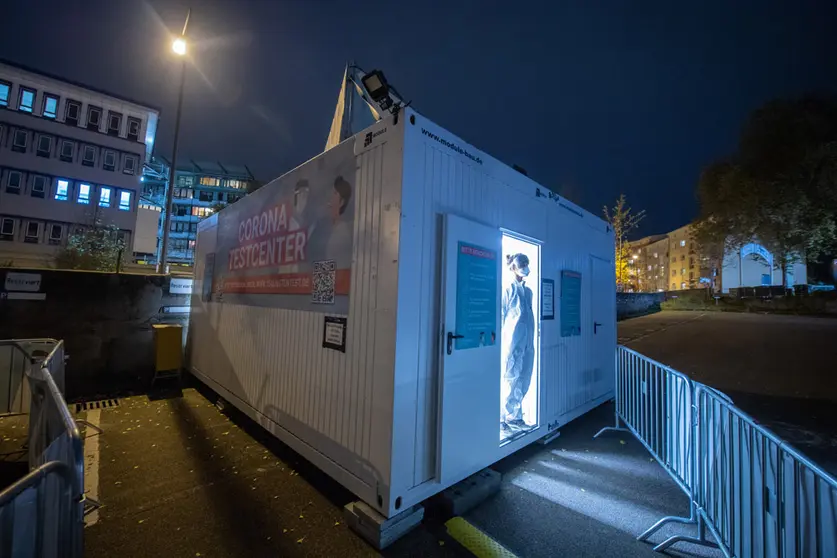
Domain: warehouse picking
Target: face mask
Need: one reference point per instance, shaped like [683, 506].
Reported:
[524, 272]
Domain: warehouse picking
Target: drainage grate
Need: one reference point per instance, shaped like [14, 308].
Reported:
[101, 404]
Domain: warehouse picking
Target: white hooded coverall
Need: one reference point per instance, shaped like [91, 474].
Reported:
[519, 340]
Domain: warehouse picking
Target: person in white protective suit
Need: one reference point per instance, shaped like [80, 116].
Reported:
[518, 342]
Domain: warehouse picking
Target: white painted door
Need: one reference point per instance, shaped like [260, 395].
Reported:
[469, 387]
[603, 328]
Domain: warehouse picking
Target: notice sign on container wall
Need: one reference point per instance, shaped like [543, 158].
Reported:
[476, 296]
[547, 299]
[289, 244]
[570, 303]
[334, 333]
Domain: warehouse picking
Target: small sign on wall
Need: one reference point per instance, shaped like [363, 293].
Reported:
[22, 286]
[334, 333]
[548, 299]
[570, 303]
[180, 286]
[27, 282]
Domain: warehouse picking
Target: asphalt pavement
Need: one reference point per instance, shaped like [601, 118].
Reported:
[179, 478]
[779, 369]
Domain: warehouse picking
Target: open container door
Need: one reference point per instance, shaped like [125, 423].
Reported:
[469, 386]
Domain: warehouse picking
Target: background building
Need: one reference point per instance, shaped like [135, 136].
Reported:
[200, 189]
[648, 263]
[753, 266]
[70, 156]
[675, 262]
[684, 260]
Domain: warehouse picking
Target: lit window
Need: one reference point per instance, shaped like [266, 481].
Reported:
[55, 233]
[5, 89]
[130, 164]
[33, 232]
[655, 254]
[27, 99]
[683, 271]
[39, 186]
[191, 245]
[201, 212]
[682, 285]
[62, 190]
[114, 123]
[50, 106]
[83, 194]
[13, 180]
[240, 184]
[682, 243]
[210, 181]
[94, 117]
[7, 228]
[44, 146]
[89, 157]
[104, 197]
[124, 201]
[72, 110]
[21, 139]
[649, 268]
[110, 160]
[133, 128]
[67, 151]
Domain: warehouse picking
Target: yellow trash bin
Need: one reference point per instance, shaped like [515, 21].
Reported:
[168, 348]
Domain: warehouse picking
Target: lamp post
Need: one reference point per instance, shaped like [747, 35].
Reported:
[179, 48]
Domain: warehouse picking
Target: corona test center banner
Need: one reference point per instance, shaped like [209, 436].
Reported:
[289, 244]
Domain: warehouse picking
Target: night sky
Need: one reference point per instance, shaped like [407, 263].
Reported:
[593, 98]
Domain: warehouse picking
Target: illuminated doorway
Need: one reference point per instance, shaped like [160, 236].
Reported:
[520, 337]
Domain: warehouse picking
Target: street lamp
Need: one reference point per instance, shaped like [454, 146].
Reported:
[179, 48]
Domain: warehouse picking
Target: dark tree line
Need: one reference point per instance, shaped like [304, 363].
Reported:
[780, 186]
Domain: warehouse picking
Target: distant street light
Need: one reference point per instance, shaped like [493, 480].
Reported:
[179, 47]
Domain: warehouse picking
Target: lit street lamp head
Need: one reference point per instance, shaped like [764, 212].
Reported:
[179, 46]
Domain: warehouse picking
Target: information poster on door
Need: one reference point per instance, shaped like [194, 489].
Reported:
[477, 296]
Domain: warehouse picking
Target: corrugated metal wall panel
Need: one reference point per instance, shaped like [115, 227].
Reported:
[273, 359]
[438, 181]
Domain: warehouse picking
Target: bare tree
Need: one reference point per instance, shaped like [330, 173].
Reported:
[622, 220]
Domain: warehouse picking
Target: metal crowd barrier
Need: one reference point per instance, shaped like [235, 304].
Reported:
[17, 357]
[42, 514]
[756, 495]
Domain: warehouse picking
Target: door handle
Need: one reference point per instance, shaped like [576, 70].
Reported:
[596, 326]
[451, 337]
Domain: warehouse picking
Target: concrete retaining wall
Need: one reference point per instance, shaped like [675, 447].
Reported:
[629, 305]
[104, 319]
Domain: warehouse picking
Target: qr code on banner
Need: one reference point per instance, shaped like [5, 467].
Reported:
[322, 288]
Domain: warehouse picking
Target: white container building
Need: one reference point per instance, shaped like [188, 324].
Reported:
[328, 307]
